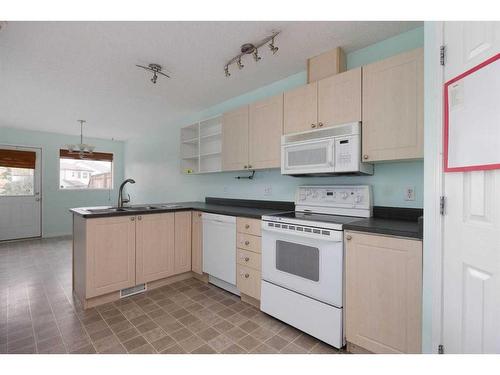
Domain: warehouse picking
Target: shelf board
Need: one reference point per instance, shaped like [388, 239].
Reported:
[191, 140]
[210, 154]
[190, 157]
[211, 135]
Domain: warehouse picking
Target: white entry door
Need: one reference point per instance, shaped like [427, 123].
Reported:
[471, 238]
[20, 198]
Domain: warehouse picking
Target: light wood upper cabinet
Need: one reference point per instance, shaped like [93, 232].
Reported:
[197, 243]
[383, 293]
[266, 128]
[182, 258]
[235, 139]
[339, 98]
[154, 247]
[300, 108]
[393, 108]
[110, 255]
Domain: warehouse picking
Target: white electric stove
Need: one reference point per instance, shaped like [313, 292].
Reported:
[303, 255]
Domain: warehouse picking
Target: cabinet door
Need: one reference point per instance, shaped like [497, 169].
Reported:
[110, 255]
[339, 98]
[248, 281]
[235, 139]
[154, 247]
[383, 293]
[265, 130]
[197, 243]
[393, 108]
[182, 261]
[300, 111]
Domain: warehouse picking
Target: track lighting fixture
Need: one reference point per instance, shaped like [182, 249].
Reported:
[251, 49]
[155, 69]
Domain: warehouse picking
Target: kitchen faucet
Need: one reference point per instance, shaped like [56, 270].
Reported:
[121, 200]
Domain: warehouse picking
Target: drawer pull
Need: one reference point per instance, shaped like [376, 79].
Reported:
[139, 217]
[247, 226]
[348, 237]
[313, 126]
[132, 218]
[247, 243]
[365, 157]
[320, 124]
[247, 259]
[247, 276]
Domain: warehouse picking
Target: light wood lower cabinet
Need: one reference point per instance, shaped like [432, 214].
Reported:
[110, 260]
[155, 247]
[383, 293]
[248, 281]
[248, 257]
[182, 262]
[197, 243]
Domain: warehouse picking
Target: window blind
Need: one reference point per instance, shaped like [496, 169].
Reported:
[17, 159]
[99, 156]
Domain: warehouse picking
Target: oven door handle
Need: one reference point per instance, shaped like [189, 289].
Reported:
[335, 236]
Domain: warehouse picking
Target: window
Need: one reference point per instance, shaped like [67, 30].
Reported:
[17, 172]
[93, 172]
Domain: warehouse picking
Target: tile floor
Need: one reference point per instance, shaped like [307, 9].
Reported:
[38, 314]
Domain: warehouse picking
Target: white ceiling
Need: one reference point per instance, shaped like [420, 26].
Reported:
[53, 73]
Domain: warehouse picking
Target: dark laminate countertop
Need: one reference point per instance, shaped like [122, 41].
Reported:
[394, 221]
[232, 207]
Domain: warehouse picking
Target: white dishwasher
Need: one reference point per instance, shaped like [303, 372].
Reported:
[219, 250]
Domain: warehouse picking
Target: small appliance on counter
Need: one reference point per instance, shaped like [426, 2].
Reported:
[323, 152]
[303, 255]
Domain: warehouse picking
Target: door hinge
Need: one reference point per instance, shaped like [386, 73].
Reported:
[440, 349]
[442, 204]
[442, 55]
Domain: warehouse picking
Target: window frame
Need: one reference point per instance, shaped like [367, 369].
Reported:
[112, 161]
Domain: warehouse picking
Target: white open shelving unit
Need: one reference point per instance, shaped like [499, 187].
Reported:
[201, 146]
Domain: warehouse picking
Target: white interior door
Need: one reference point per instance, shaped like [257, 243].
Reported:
[471, 237]
[20, 199]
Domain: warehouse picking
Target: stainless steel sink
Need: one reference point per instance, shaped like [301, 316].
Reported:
[132, 209]
[172, 205]
[105, 210]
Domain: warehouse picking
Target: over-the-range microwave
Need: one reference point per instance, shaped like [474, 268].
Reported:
[325, 151]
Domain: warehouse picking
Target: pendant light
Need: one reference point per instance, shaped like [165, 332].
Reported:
[81, 149]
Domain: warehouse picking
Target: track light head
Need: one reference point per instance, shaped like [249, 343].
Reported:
[256, 56]
[239, 63]
[226, 71]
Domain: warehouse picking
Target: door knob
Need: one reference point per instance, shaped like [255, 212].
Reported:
[365, 156]
[348, 237]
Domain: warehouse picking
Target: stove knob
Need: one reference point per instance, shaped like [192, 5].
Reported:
[315, 194]
[344, 195]
[358, 198]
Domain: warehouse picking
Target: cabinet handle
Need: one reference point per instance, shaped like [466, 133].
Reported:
[247, 259]
[249, 166]
[132, 218]
[247, 243]
[313, 126]
[139, 218]
[320, 124]
[247, 226]
[247, 276]
[348, 237]
[365, 156]
[199, 215]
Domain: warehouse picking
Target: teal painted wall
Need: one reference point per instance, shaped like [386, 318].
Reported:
[153, 160]
[56, 219]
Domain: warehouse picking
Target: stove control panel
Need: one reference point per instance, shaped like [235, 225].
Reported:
[327, 199]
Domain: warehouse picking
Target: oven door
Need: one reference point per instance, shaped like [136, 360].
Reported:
[308, 157]
[308, 264]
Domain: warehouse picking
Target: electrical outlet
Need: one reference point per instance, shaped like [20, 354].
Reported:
[268, 191]
[410, 193]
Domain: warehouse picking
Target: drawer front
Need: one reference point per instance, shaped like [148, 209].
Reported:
[248, 281]
[248, 258]
[248, 242]
[249, 226]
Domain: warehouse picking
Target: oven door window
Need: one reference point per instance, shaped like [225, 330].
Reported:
[296, 259]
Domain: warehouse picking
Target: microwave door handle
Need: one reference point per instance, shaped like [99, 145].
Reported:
[331, 150]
